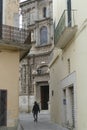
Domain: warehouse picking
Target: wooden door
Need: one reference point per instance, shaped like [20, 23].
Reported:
[44, 97]
[3, 107]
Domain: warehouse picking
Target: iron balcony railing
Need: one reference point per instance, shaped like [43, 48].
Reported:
[67, 20]
[14, 34]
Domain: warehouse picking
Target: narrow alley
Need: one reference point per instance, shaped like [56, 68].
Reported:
[27, 123]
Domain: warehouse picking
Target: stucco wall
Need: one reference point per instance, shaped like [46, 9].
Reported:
[81, 79]
[9, 78]
[76, 51]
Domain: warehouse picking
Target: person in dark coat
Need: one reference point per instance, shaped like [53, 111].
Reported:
[35, 111]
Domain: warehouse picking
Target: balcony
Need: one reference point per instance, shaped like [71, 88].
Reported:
[65, 29]
[13, 34]
[14, 38]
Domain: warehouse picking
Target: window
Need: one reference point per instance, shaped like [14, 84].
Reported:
[43, 35]
[44, 12]
[39, 71]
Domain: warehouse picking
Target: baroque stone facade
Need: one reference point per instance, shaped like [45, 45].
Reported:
[34, 85]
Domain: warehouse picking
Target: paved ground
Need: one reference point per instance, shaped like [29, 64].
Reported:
[27, 122]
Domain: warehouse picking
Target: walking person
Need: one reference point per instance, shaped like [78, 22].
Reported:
[35, 111]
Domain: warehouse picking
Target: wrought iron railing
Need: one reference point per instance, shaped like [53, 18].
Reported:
[66, 20]
[14, 34]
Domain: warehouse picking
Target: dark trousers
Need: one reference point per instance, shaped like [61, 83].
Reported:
[35, 115]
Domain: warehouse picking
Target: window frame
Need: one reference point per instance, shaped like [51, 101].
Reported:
[43, 35]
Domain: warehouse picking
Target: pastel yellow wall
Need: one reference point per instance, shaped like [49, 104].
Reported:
[9, 80]
[81, 64]
[55, 100]
[76, 51]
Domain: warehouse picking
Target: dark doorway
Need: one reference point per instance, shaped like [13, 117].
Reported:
[44, 97]
[3, 107]
[69, 12]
